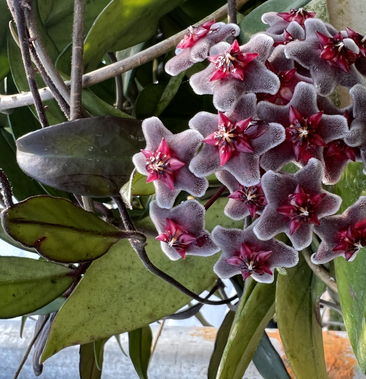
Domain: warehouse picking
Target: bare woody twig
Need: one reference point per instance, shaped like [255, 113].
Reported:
[112, 70]
[231, 13]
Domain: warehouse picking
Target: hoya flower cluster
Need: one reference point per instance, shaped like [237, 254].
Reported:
[273, 108]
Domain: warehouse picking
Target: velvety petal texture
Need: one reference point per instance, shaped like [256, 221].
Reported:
[244, 166]
[256, 77]
[198, 51]
[325, 70]
[280, 190]
[339, 230]
[307, 141]
[189, 216]
[231, 243]
[182, 148]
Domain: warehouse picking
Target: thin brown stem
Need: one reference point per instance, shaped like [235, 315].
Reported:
[320, 271]
[231, 11]
[17, 8]
[6, 189]
[215, 197]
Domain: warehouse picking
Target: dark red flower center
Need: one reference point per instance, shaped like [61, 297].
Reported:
[253, 197]
[194, 34]
[298, 15]
[301, 208]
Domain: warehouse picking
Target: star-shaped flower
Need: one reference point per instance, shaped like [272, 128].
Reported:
[307, 129]
[166, 159]
[298, 15]
[243, 201]
[243, 253]
[342, 235]
[182, 230]
[360, 41]
[235, 149]
[226, 91]
[295, 203]
[292, 32]
[326, 73]
[197, 43]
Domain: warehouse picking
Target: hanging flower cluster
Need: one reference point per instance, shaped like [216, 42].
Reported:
[273, 108]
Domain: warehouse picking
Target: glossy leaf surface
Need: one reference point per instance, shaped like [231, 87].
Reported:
[59, 230]
[300, 332]
[139, 342]
[27, 284]
[118, 294]
[254, 312]
[90, 157]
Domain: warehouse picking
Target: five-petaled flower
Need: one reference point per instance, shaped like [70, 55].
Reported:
[342, 235]
[295, 203]
[166, 159]
[182, 230]
[194, 34]
[298, 15]
[243, 253]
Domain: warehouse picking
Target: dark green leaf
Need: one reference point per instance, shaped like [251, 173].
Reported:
[5, 17]
[140, 341]
[220, 343]
[267, 361]
[117, 336]
[87, 365]
[148, 100]
[256, 308]
[59, 230]
[301, 334]
[99, 352]
[22, 325]
[123, 24]
[117, 294]
[90, 157]
[27, 284]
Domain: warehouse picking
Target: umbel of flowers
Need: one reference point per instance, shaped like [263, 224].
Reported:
[273, 108]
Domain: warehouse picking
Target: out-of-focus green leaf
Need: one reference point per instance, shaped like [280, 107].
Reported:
[117, 336]
[5, 17]
[54, 306]
[118, 294]
[267, 361]
[300, 332]
[99, 352]
[123, 24]
[253, 314]
[59, 230]
[90, 157]
[27, 284]
[87, 364]
[140, 341]
[22, 325]
[252, 23]
[148, 100]
[220, 343]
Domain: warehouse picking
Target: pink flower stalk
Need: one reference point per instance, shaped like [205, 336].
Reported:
[233, 142]
[165, 161]
[327, 56]
[233, 137]
[295, 203]
[196, 45]
[243, 200]
[243, 253]
[231, 63]
[182, 230]
[227, 72]
[342, 235]
[336, 52]
[161, 165]
[298, 15]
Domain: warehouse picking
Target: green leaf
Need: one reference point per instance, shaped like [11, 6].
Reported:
[252, 23]
[220, 343]
[148, 99]
[139, 342]
[22, 326]
[118, 294]
[27, 284]
[59, 230]
[90, 157]
[267, 361]
[99, 352]
[117, 336]
[300, 332]
[87, 365]
[254, 312]
[123, 24]
[5, 17]
[54, 306]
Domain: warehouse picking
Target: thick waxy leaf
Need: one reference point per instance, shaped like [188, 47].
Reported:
[297, 321]
[59, 230]
[87, 364]
[140, 349]
[253, 314]
[252, 23]
[27, 284]
[90, 157]
[118, 294]
[123, 24]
